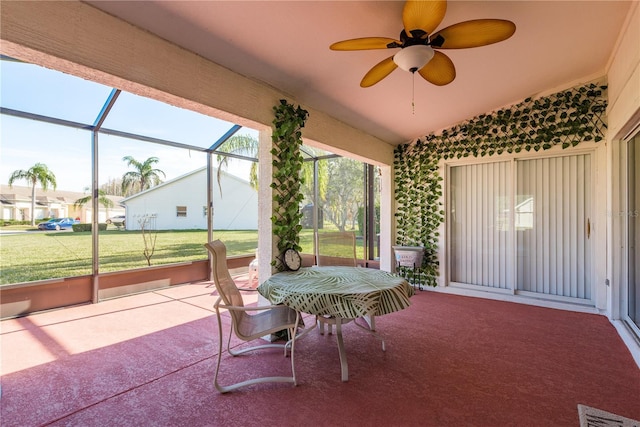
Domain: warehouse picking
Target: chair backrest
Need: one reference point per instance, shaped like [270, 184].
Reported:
[336, 248]
[225, 285]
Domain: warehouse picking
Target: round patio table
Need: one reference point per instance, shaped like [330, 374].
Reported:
[341, 294]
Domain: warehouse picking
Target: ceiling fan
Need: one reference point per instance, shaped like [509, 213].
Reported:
[418, 42]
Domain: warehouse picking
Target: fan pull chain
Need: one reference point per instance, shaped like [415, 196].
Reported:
[413, 93]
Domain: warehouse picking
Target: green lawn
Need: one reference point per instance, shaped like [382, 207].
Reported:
[38, 255]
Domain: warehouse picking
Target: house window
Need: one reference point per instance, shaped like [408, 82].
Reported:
[181, 211]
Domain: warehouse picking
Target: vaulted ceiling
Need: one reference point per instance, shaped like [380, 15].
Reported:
[286, 45]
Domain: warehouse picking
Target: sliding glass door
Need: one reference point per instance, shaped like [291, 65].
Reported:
[554, 251]
[523, 226]
[633, 230]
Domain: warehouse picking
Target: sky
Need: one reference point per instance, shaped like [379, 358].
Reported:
[67, 151]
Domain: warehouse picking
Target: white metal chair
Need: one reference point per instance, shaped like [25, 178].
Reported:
[336, 248]
[248, 327]
[339, 248]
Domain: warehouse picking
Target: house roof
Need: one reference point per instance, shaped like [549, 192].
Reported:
[182, 177]
[285, 44]
[18, 193]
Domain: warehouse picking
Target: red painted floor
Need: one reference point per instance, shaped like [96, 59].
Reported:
[148, 359]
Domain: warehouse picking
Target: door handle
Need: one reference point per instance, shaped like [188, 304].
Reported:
[588, 228]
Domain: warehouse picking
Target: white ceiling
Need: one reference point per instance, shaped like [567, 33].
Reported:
[286, 45]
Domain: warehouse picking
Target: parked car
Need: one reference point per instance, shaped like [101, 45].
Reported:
[116, 220]
[57, 224]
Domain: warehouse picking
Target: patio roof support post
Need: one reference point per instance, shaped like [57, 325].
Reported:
[387, 225]
[267, 246]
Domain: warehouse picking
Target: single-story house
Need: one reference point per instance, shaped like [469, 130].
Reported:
[181, 204]
[16, 205]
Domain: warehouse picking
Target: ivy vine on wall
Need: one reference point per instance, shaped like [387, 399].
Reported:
[287, 164]
[564, 119]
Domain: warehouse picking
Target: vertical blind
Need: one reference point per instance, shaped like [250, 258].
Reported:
[480, 224]
[546, 212]
[554, 255]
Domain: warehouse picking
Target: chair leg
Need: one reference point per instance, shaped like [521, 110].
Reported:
[293, 345]
[320, 325]
[289, 341]
[321, 321]
[371, 321]
[220, 388]
[226, 389]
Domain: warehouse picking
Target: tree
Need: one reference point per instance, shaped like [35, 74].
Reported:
[245, 145]
[323, 174]
[143, 177]
[102, 199]
[345, 194]
[38, 173]
[341, 201]
[149, 236]
[340, 205]
[112, 187]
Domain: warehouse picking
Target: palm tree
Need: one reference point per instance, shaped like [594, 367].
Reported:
[102, 199]
[145, 175]
[38, 173]
[245, 145]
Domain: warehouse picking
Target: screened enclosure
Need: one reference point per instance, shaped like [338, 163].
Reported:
[143, 182]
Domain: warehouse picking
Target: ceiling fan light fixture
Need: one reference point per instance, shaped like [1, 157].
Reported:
[413, 58]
